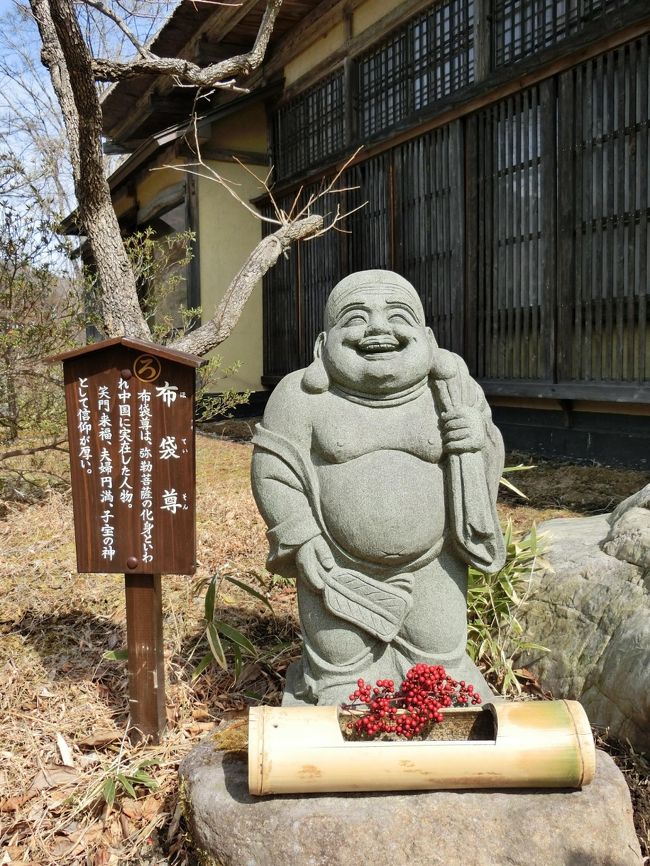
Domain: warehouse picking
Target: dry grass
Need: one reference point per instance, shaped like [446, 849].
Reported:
[62, 702]
[58, 691]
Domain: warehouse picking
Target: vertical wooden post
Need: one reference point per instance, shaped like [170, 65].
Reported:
[548, 203]
[482, 40]
[144, 634]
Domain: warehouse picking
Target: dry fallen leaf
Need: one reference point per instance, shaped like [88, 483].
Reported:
[101, 857]
[64, 750]
[101, 738]
[13, 804]
[145, 808]
[53, 776]
[201, 714]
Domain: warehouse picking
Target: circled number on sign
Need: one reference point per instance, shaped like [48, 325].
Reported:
[146, 368]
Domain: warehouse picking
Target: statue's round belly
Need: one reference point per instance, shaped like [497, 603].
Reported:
[386, 506]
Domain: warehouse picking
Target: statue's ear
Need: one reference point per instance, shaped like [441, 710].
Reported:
[431, 339]
[315, 378]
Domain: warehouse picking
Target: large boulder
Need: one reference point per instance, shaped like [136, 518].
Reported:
[592, 611]
[589, 827]
[628, 538]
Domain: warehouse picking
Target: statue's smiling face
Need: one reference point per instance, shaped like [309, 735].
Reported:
[377, 343]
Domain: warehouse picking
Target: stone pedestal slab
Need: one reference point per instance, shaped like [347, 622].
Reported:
[589, 827]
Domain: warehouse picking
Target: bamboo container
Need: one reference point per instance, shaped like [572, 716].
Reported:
[536, 744]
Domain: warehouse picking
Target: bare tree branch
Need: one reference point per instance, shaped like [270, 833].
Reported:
[263, 257]
[67, 55]
[27, 452]
[121, 23]
[300, 224]
[218, 74]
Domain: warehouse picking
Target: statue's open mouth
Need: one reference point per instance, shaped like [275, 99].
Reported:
[378, 346]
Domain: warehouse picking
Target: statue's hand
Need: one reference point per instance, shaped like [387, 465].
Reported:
[463, 429]
[313, 559]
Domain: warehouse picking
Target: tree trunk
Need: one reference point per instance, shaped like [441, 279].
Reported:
[66, 55]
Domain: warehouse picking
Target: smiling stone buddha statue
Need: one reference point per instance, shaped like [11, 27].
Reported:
[376, 470]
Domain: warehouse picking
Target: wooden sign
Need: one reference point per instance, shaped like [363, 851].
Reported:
[130, 408]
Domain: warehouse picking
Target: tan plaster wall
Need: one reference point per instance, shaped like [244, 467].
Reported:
[227, 234]
[315, 54]
[363, 17]
[245, 130]
[123, 203]
[369, 13]
[153, 181]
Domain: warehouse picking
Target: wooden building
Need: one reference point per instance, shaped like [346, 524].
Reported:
[505, 173]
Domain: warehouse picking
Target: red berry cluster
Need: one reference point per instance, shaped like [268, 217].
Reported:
[417, 704]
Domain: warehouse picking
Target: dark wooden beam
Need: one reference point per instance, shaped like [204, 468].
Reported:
[207, 50]
[609, 393]
[225, 154]
[171, 104]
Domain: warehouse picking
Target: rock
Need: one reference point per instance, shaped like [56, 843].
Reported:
[590, 827]
[629, 536]
[592, 612]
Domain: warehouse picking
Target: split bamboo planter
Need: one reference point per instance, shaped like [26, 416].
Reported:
[536, 744]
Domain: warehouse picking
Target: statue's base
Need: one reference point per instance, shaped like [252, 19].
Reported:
[588, 827]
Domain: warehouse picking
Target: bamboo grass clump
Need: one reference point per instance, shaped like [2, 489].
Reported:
[536, 744]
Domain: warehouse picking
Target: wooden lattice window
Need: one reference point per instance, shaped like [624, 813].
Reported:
[523, 27]
[514, 196]
[425, 60]
[280, 308]
[429, 227]
[604, 188]
[310, 128]
[443, 51]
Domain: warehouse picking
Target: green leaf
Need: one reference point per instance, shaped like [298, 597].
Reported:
[249, 590]
[215, 645]
[120, 655]
[209, 599]
[108, 791]
[236, 637]
[205, 662]
[128, 787]
[149, 762]
[238, 661]
[142, 778]
[512, 487]
[519, 468]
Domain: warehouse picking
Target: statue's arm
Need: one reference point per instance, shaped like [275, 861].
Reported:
[278, 482]
[466, 417]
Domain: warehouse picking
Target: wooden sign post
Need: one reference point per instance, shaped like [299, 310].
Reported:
[130, 409]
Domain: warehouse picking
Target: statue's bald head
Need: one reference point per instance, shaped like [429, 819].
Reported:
[355, 287]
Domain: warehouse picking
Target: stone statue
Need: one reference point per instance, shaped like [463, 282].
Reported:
[376, 470]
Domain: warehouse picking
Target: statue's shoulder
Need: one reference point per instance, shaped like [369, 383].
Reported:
[289, 408]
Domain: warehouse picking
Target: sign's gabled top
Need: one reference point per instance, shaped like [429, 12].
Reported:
[131, 343]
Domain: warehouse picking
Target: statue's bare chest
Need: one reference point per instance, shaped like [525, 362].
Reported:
[344, 431]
